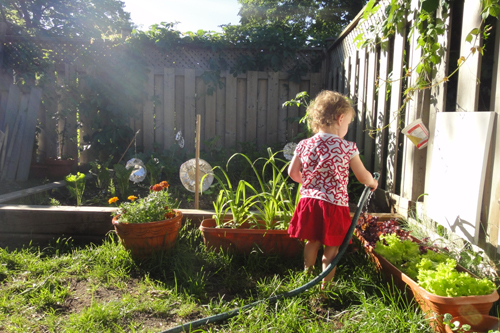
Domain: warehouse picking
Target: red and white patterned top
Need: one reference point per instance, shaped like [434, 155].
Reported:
[325, 167]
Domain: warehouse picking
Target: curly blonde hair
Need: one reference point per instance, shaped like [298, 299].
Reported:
[326, 108]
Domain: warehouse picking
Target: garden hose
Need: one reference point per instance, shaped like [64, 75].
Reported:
[343, 247]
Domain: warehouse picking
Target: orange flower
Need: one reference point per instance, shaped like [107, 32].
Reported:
[113, 200]
[132, 197]
[164, 184]
[157, 188]
[169, 215]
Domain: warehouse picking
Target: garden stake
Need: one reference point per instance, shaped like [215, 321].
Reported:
[225, 315]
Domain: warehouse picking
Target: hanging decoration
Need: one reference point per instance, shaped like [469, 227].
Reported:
[289, 150]
[139, 173]
[179, 139]
[187, 174]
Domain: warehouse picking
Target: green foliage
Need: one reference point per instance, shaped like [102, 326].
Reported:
[154, 168]
[316, 20]
[157, 206]
[76, 186]
[235, 200]
[445, 280]
[404, 254]
[101, 172]
[435, 272]
[122, 176]
[429, 25]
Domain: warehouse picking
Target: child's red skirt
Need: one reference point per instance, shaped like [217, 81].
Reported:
[316, 219]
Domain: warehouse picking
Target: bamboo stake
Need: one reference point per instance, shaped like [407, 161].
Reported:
[197, 173]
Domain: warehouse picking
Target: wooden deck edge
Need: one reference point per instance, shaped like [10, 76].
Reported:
[22, 224]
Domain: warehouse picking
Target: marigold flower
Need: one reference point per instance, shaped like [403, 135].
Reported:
[157, 188]
[132, 197]
[113, 200]
[169, 215]
[164, 184]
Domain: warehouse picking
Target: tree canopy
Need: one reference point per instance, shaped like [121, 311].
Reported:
[69, 18]
[315, 19]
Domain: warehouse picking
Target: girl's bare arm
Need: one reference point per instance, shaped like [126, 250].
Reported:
[294, 169]
[364, 176]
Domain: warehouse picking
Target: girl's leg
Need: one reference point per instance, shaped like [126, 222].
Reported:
[310, 254]
[329, 253]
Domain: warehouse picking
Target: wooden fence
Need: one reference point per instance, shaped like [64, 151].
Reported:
[243, 108]
[460, 194]
[248, 108]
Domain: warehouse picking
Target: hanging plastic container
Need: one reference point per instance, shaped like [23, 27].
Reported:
[417, 133]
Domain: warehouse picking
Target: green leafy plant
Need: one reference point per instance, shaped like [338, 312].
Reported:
[275, 202]
[76, 186]
[156, 206]
[154, 168]
[102, 173]
[434, 271]
[445, 280]
[122, 175]
[233, 200]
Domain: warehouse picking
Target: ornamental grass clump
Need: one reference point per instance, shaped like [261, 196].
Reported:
[157, 206]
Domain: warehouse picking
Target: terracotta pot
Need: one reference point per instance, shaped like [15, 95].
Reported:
[38, 171]
[433, 305]
[436, 306]
[244, 239]
[58, 169]
[142, 239]
[478, 323]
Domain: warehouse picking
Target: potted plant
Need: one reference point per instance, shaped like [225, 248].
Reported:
[149, 224]
[246, 218]
[435, 280]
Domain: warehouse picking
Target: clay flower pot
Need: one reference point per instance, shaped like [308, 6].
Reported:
[436, 306]
[245, 238]
[433, 305]
[58, 169]
[478, 323]
[142, 239]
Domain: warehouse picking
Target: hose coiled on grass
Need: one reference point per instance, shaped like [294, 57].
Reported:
[343, 247]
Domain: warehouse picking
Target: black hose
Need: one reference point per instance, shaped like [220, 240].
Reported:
[343, 247]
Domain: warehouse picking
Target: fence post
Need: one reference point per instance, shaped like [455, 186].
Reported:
[4, 84]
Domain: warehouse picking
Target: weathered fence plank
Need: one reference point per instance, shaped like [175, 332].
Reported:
[220, 114]
[168, 107]
[28, 135]
[492, 190]
[159, 120]
[251, 107]
[283, 111]
[148, 114]
[381, 121]
[262, 92]
[370, 110]
[469, 74]
[395, 103]
[210, 115]
[293, 112]
[240, 110]
[189, 109]
[231, 111]
[361, 101]
[272, 107]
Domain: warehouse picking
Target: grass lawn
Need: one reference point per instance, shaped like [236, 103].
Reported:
[99, 288]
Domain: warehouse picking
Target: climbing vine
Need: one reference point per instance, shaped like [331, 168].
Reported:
[429, 23]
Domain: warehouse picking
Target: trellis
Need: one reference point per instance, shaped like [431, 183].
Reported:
[244, 108]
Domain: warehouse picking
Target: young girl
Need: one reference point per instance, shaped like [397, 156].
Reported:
[321, 164]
